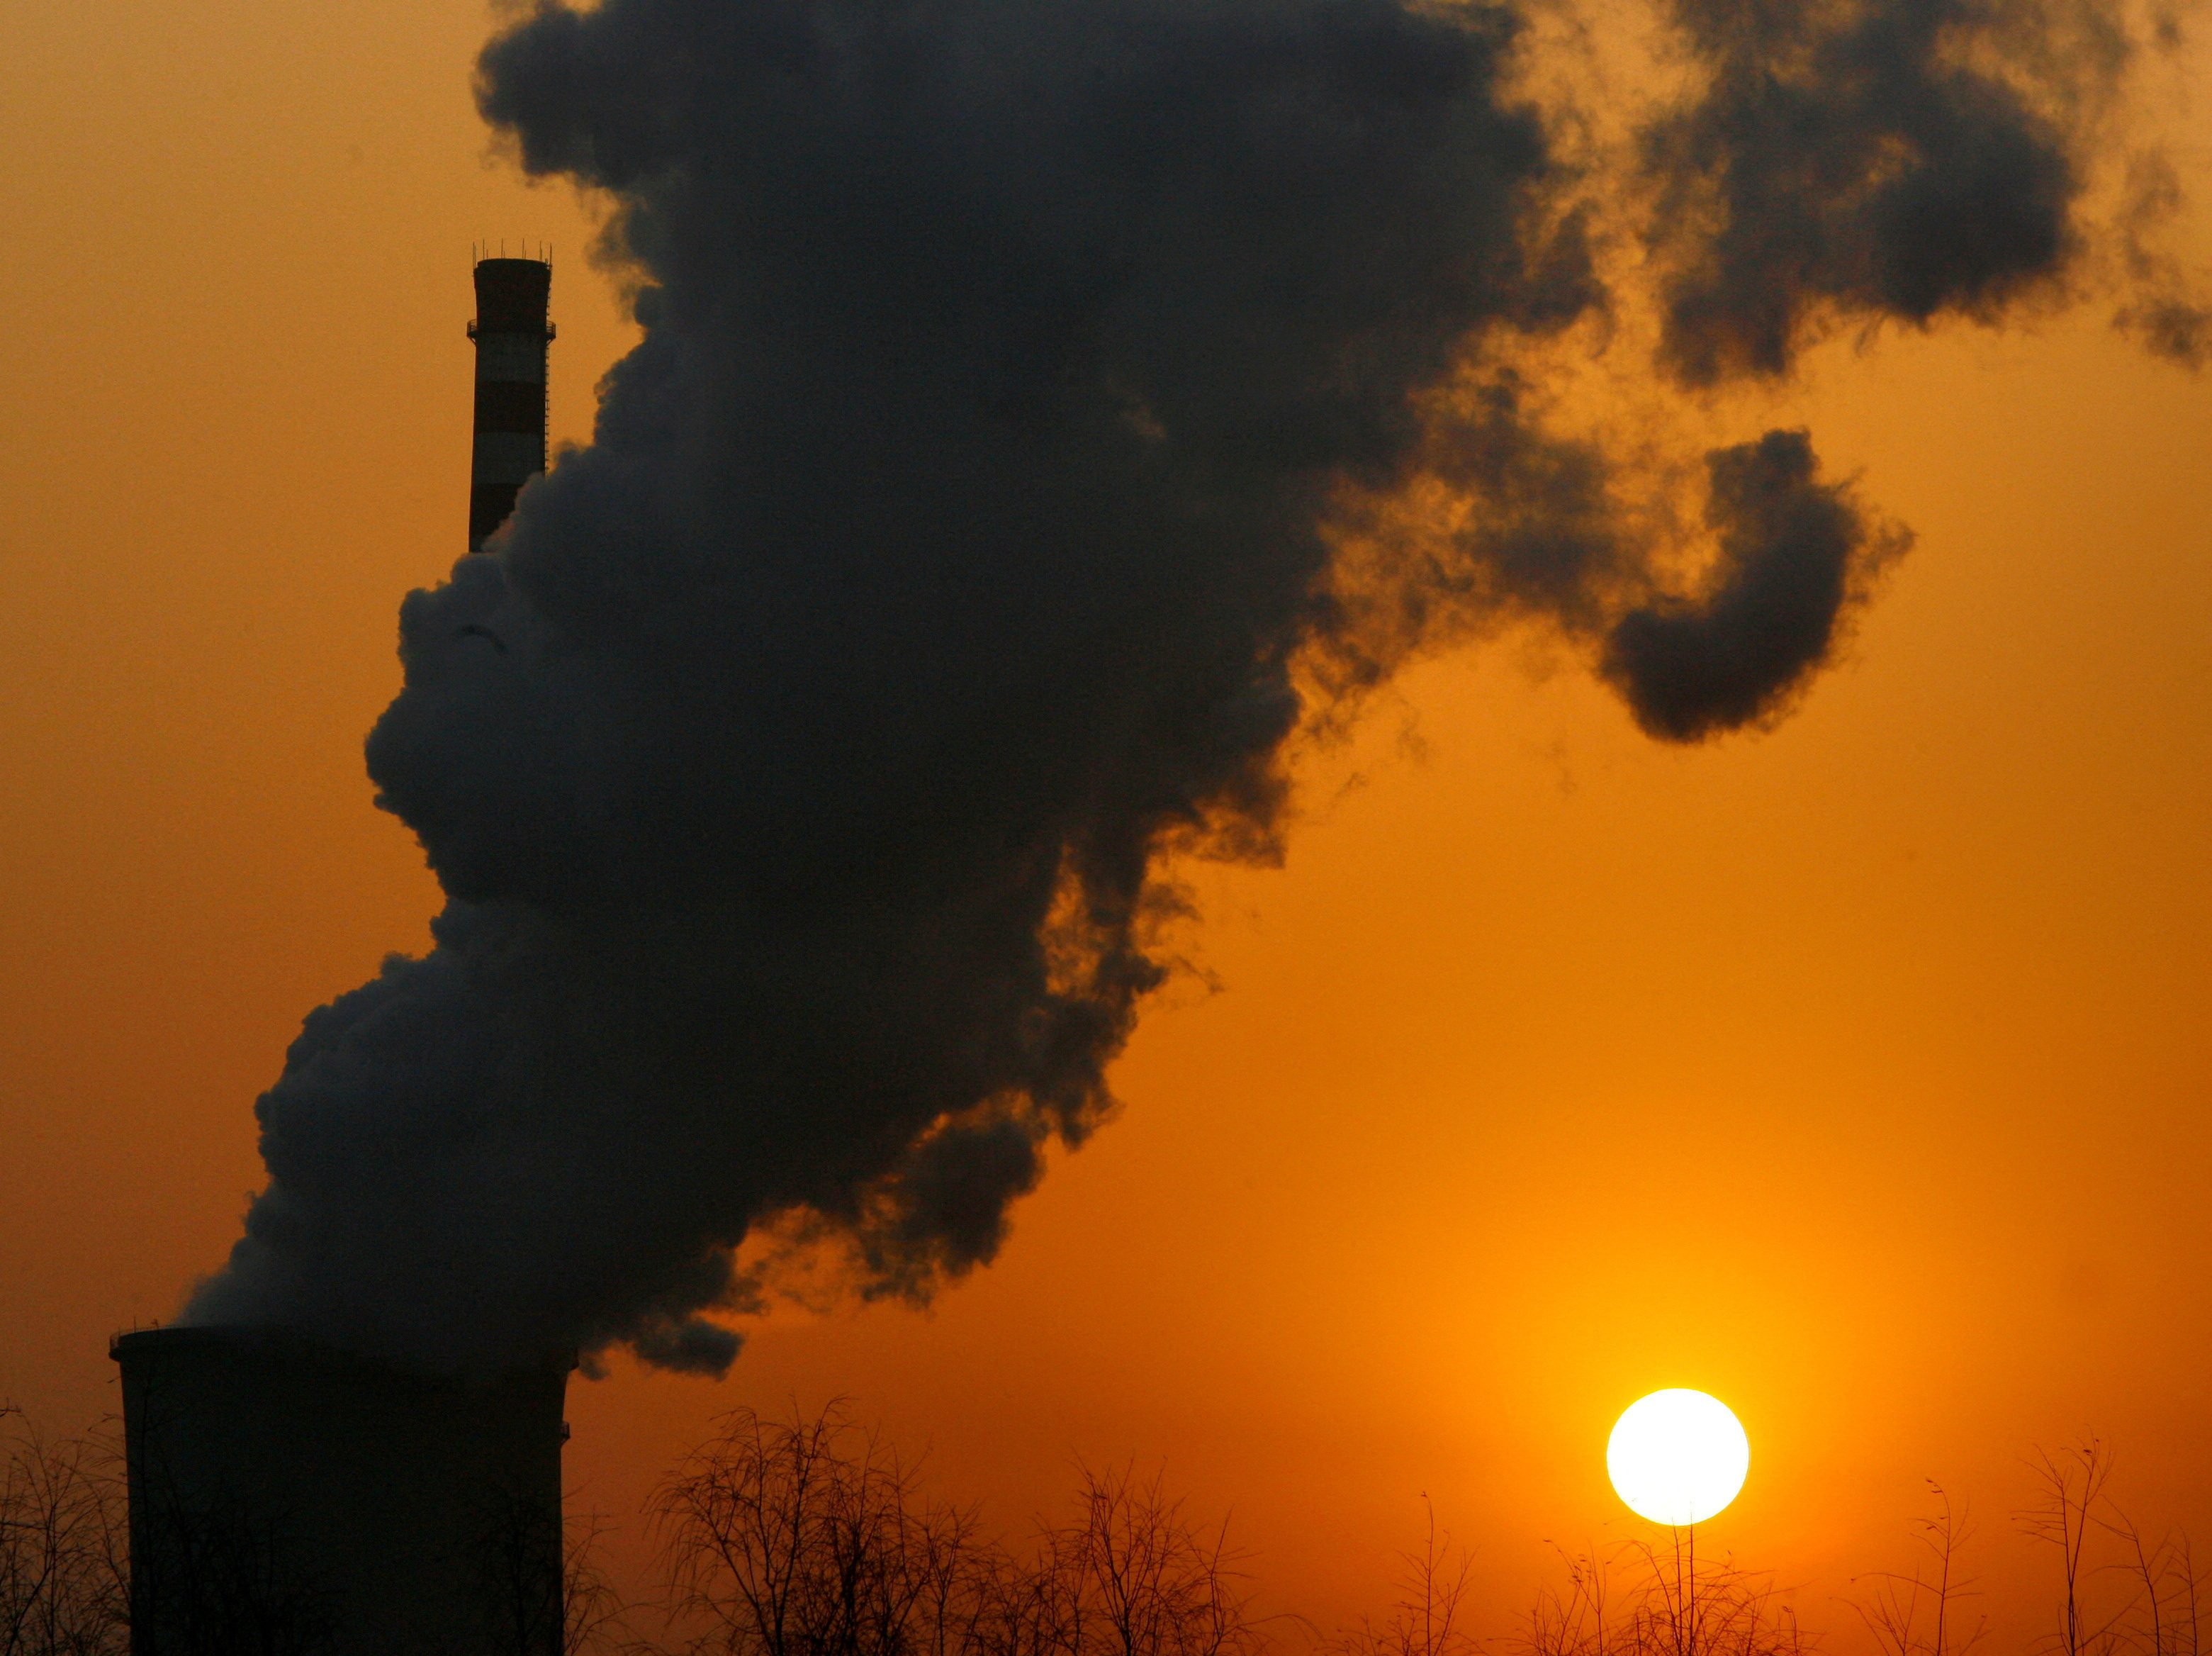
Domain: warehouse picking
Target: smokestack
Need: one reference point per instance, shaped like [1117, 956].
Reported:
[286, 1495]
[512, 334]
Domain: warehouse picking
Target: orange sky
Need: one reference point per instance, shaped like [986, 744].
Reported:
[1858, 1071]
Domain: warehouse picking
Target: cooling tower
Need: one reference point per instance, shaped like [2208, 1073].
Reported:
[287, 1499]
[512, 334]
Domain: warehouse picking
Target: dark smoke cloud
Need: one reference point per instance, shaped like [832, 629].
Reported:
[1793, 553]
[1541, 535]
[998, 488]
[1855, 161]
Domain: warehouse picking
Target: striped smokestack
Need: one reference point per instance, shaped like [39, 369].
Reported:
[512, 334]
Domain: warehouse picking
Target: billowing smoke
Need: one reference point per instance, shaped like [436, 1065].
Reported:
[1855, 160]
[1791, 555]
[1018, 457]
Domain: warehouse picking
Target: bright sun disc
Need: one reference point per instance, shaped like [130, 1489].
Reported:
[1677, 1457]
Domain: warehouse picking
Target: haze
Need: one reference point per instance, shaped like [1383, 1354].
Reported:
[1855, 1071]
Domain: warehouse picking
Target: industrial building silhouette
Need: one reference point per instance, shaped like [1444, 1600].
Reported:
[288, 1499]
[291, 1499]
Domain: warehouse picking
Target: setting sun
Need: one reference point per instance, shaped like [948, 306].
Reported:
[1677, 1457]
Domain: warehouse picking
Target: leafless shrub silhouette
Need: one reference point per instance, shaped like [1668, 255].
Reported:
[2147, 1626]
[593, 1616]
[219, 1582]
[1152, 1582]
[1578, 1621]
[2167, 1620]
[222, 1578]
[1672, 1603]
[2150, 1602]
[63, 1572]
[2064, 1515]
[540, 1583]
[1427, 1618]
[517, 1582]
[214, 1574]
[808, 1537]
[1919, 1613]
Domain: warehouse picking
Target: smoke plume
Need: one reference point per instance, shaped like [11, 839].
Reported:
[1016, 459]
[1868, 160]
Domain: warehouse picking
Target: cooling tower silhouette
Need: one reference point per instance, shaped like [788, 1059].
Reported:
[287, 1497]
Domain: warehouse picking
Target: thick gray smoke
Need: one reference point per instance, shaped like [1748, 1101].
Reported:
[1855, 160]
[976, 524]
[1790, 554]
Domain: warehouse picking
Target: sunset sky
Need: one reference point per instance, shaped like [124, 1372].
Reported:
[1855, 1071]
